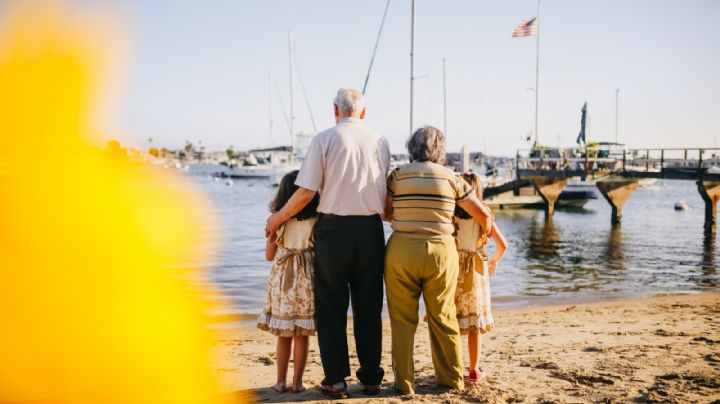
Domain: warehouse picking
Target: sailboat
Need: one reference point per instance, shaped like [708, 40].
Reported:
[275, 161]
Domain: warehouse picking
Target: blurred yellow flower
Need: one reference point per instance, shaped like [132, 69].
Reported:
[93, 306]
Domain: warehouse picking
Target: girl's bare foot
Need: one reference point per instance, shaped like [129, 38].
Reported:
[279, 387]
[298, 386]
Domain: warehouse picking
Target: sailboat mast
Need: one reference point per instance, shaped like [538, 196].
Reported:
[412, 62]
[307, 100]
[292, 107]
[270, 120]
[377, 42]
[537, 73]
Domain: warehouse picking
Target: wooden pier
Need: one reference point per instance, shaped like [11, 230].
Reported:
[618, 172]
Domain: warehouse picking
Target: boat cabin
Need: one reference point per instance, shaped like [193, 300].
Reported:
[272, 155]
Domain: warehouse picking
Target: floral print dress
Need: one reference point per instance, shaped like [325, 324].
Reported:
[472, 298]
[290, 302]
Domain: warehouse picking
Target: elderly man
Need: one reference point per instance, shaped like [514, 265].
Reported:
[348, 164]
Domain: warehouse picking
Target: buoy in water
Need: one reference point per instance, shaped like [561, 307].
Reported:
[680, 205]
[229, 183]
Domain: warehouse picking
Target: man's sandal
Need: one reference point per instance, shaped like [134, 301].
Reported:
[335, 392]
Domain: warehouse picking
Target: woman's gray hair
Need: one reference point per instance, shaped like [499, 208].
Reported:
[427, 144]
[349, 100]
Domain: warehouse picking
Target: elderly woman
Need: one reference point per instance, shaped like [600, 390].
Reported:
[421, 257]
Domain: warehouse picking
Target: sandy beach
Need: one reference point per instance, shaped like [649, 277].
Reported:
[656, 349]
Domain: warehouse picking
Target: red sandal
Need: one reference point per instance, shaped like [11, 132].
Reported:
[476, 375]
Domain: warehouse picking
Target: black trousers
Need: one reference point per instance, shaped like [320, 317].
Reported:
[349, 264]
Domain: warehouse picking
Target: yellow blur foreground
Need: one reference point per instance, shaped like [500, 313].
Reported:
[90, 310]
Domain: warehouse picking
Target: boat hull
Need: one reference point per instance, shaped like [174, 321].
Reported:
[572, 199]
[257, 172]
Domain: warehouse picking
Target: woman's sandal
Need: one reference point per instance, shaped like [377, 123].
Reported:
[300, 389]
[279, 387]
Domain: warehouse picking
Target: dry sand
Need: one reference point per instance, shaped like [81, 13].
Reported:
[658, 349]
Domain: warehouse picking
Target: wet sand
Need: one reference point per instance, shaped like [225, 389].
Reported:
[656, 349]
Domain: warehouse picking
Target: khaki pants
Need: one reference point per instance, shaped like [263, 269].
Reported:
[430, 267]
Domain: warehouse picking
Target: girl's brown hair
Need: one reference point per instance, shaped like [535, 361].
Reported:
[286, 189]
[474, 180]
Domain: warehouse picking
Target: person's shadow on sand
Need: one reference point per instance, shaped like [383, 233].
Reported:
[269, 395]
[425, 386]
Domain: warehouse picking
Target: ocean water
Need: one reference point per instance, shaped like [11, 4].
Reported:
[576, 256]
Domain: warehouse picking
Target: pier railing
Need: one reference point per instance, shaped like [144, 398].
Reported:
[670, 163]
[618, 172]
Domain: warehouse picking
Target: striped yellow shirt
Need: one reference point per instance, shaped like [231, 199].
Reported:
[424, 196]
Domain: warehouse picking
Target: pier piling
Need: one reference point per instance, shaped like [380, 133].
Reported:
[549, 189]
[617, 191]
[710, 192]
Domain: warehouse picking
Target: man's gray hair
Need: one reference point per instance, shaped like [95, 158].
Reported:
[349, 100]
[427, 144]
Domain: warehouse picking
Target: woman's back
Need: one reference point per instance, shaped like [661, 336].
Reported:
[424, 196]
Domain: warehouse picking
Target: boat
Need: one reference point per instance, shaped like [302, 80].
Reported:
[647, 182]
[267, 163]
[575, 198]
[591, 185]
[570, 199]
[515, 202]
[398, 160]
[274, 162]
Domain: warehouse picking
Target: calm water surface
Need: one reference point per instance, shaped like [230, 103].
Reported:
[576, 256]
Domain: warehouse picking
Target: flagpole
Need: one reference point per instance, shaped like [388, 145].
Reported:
[537, 74]
[617, 97]
[412, 62]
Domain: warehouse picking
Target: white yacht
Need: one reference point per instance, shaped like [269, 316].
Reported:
[274, 162]
[263, 164]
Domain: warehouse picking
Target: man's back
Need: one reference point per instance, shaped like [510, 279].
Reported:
[348, 164]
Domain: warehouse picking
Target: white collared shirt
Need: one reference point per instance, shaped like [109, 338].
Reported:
[348, 164]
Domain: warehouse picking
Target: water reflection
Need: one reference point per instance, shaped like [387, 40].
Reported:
[544, 241]
[709, 267]
[545, 266]
[566, 259]
[614, 252]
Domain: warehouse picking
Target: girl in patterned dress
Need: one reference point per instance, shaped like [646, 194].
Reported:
[290, 303]
[472, 299]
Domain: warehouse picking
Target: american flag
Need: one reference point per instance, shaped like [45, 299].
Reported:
[526, 28]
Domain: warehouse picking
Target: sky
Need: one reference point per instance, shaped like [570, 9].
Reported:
[198, 71]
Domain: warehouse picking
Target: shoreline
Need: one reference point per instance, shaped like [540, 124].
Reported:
[508, 303]
[660, 348]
